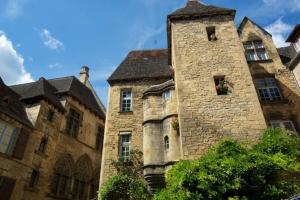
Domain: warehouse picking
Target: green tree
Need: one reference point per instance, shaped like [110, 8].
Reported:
[128, 183]
[231, 171]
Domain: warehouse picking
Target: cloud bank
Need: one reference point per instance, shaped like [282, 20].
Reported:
[12, 69]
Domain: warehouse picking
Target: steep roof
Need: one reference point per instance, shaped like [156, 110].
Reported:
[143, 64]
[53, 88]
[36, 90]
[241, 26]
[11, 105]
[294, 34]
[195, 8]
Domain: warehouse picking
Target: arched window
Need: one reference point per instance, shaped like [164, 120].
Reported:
[82, 177]
[61, 180]
[167, 143]
[94, 184]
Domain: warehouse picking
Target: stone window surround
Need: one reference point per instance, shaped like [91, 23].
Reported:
[297, 44]
[267, 76]
[256, 47]
[126, 145]
[282, 125]
[79, 120]
[121, 100]
[13, 134]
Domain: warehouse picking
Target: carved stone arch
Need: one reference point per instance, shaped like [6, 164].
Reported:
[83, 168]
[64, 165]
[62, 175]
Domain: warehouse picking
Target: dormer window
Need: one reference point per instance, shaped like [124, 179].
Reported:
[255, 51]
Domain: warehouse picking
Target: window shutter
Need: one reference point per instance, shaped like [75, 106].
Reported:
[21, 144]
[6, 187]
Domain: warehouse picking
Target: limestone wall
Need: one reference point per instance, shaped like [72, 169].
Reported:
[288, 108]
[117, 122]
[205, 117]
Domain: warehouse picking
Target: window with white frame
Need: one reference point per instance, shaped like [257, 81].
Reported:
[255, 50]
[284, 124]
[125, 145]
[268, 90]
[8, 137]
[126, 99]
[167, 95]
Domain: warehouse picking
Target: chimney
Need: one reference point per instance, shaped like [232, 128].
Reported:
[84, 74]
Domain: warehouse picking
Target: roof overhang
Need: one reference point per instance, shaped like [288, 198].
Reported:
[294, 34]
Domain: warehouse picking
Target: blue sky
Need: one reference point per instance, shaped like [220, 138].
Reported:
[54, 38]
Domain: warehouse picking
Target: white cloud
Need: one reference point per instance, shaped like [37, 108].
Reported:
[55, 66]
[147, 34]
[50, 41]
[13, 9]
[279, 31]
[12, 69]
[284, 5]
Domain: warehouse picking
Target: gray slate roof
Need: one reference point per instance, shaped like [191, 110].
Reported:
[196, 8]
[52, 89]
[11, 105]
[143, 64]
[287, 54]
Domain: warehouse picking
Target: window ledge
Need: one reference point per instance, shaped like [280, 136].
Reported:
[260, 61]
[278, 102]
[126, 112]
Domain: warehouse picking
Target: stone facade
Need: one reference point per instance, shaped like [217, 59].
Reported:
[205, 50]
[68, 163]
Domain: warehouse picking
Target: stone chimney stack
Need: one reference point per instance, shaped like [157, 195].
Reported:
[84, 74]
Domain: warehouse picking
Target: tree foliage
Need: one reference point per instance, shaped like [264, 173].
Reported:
[128, 183]
[234, 172]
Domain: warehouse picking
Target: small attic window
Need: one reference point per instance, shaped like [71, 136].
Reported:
[211, 33]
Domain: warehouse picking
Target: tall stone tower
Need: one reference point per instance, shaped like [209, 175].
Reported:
[216, 97]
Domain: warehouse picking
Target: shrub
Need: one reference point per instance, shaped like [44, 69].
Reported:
[232, 171]
[128, 183]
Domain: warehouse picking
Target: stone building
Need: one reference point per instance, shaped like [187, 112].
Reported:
[51, 135]
[291, 55]
[214, 80]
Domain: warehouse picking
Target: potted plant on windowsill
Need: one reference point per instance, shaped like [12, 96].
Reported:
[223, 87]
[175, 125]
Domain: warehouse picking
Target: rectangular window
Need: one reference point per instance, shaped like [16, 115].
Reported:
[221, 85]
[50, 115]
[267, 89]
[167, 95]
[125, 145]
[33, 179]
[211, 33]
[284, 124]
[126, 98]
[73, 123]
[99, 138]
[8, 137]
[255, 50]
[43, 144]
